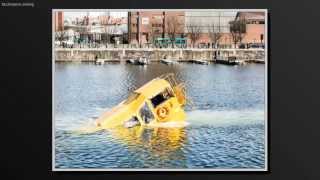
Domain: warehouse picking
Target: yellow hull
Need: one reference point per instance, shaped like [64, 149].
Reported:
[160, 140]
[157, 103]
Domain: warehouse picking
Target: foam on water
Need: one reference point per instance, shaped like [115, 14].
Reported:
[221, 118]
[171, 124]
[225, 117]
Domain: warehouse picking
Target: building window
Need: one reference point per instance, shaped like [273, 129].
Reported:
[156, 25]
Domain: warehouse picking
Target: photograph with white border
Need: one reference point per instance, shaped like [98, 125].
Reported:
[160, 90]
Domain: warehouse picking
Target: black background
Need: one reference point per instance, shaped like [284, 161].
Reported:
[294, 78]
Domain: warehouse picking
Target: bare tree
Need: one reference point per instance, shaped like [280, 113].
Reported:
[238, 30]
[153, 34]
[61, 36]
[105, 34]
[109, 31]
[214, 33]
[173, 28]
[193, 31]
[83, 32]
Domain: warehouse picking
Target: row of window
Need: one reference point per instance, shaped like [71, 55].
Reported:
[153, 25]
[156, 25]
[255, 22]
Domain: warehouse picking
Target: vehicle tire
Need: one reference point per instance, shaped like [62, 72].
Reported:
[162, 112]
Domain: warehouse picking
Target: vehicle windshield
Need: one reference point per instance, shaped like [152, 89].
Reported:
[161, 97]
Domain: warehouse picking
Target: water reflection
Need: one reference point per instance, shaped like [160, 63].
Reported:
[226, 127]
[159, 142]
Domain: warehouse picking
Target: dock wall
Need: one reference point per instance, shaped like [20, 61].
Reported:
[119, 54]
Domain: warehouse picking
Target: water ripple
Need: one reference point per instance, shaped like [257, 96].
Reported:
[226, 124]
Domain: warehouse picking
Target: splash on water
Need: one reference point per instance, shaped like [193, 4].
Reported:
[225, 117]
[194, 118]
[171, 124]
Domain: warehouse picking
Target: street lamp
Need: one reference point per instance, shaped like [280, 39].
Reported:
[138, 28]
[225, 41]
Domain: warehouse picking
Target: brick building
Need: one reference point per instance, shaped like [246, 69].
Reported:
[255, 26]
[140, 27]
[58, 21]
[144, 26]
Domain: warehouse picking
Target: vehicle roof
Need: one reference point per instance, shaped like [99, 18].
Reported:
[153, 87]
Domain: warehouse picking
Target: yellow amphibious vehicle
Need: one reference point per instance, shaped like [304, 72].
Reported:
[158, 102]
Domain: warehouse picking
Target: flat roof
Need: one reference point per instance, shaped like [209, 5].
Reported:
[153, 87]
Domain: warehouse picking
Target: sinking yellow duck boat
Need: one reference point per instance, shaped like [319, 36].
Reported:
[157, 103]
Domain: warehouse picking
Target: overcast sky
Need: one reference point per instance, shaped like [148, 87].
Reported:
[72, 15]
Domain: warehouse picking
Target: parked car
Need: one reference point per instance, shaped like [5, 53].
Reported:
[256, 45]
[242, 46]
[57, 43]
[202, 45]
[67, 44]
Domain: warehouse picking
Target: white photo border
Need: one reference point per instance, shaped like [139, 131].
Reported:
[266, 159]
